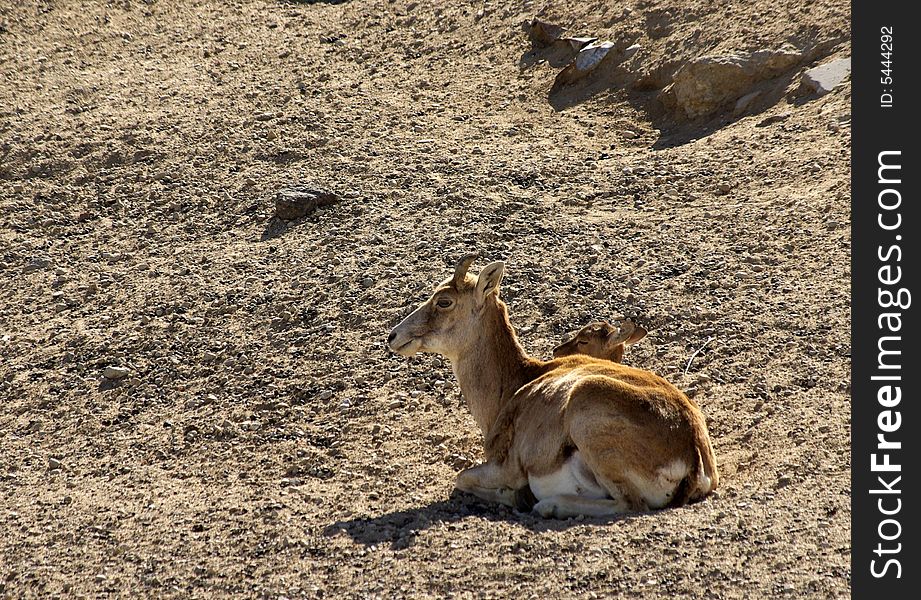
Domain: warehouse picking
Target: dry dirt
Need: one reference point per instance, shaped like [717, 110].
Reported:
[264, 443]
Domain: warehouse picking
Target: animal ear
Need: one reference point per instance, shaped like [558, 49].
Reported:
[618, 333]
[638, 334]
[488, 280]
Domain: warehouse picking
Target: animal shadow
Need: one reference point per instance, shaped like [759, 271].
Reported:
[400, 528]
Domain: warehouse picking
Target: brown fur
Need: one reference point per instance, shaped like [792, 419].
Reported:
[629, 425]
[602, 340]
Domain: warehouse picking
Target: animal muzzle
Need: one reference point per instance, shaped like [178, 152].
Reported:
[404, 338]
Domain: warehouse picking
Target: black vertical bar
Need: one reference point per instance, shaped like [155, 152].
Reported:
[885, 369]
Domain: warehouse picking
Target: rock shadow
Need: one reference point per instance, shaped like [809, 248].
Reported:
[558, 54]
[274, 229]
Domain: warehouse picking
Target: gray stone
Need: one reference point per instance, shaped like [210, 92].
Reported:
[298, 202]
[824, 78]
[112, 372]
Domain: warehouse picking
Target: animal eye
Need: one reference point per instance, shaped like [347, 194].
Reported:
[581, 342]
[444, 302]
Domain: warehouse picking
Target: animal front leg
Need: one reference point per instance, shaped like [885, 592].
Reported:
[565, 506]
[492, 482]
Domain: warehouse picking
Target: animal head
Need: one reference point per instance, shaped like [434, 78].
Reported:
[602, 340]
[453, 317]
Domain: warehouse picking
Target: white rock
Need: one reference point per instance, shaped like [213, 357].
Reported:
[824, 78]
[743, 103]
[112, 372]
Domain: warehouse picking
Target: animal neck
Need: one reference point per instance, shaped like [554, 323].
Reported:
[493, 366]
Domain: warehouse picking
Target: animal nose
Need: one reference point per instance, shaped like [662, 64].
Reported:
[393, 335]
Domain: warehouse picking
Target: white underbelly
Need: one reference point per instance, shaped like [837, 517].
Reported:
[573, 478]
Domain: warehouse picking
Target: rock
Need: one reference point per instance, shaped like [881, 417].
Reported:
[297, 202]
[773, 119]
[54, 463]
[591, 55]
[745, 102]
[18, 188]
[112, 372]
[36, 264]
[578, 43]
[542, 33]
[631, 50]
[585, 62]
[367, 282]
[629, 134]
[706, 84]
[824, 78]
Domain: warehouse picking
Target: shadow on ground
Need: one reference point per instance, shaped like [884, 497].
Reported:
[275, 228]
[400, 528]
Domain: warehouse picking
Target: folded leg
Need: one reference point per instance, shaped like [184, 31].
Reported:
[568, 505]
[492, 482]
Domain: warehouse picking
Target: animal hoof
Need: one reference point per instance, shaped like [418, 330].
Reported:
[546, 509]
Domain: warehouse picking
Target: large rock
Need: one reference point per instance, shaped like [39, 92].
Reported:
[590, 57]
[297, 202]
[709, 83]
[585, 62]
[824, 78]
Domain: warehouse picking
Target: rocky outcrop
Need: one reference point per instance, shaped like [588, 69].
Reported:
[709, 83]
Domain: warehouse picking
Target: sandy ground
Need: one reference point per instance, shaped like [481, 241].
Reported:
[264, 443]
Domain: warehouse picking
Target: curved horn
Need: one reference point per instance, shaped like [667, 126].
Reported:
[460, 271]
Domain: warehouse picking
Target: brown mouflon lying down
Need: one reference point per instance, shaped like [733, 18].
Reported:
[587, 436]
[602, 340]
